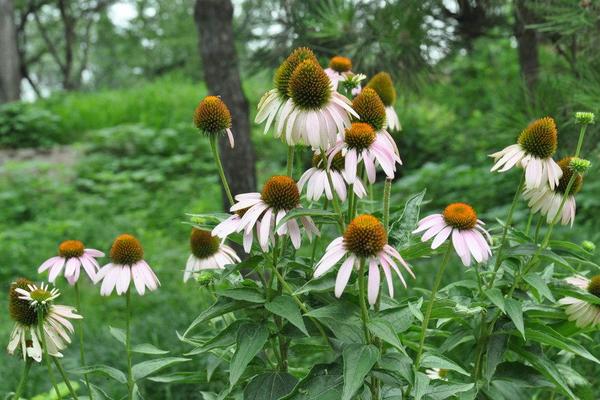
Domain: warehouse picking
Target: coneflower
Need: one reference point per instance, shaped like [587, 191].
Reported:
[213, 118]
[383, 85]
[582, 312]
[208, 252]
[72, 255]
[340, 72]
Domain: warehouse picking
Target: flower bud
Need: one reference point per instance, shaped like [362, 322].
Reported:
[588, 246]
[585, 118]
[205, 278]
[579, 165]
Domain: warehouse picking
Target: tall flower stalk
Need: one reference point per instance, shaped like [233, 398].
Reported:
[81, 341]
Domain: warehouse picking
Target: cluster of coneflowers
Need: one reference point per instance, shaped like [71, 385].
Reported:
[43, 329]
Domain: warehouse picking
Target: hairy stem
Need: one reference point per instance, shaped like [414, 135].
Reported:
[64, 377]
[215, 151]
[23, 381]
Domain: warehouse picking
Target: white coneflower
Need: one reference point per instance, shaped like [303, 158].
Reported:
[208, 252]
[213, 118]
[317, 183]
[271, 103]
[315, 113]
[72, 255]
[383, 85]
[265, 210]
[365, 240]
[458, 220]
[232, 225]
[127, 265]
[25, 302]
[437, 373]
[340, 72]
[533, 152]
[547, 201]
[362, 144]
[583, 313]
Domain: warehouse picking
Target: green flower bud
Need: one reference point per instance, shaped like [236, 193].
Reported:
[205, 278]
[585, 118]
[588, 246]
[579, 165]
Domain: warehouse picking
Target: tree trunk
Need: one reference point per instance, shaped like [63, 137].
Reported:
[527, 45]
[10, 73]
[214, 20]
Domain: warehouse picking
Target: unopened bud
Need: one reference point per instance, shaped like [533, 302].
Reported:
[585, 118]
[588, 246]
[579, 165]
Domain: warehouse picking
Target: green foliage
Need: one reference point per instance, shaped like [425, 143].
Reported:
[23, 125]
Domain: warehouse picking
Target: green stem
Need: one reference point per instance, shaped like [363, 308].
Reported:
[290, 160]
[425, 324]
[507, 224]
[580, 140]
[529, 221]
[336, 205]
[278, 322]
[65, 377]
[81, 346]
[130, 382]
[538, 226]
[364, 312]
[316, 240]
[215, 151]
[41, 334]
[387, 192]
[23, 381]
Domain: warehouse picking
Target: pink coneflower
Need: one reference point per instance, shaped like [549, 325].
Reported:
[316, 181]
[365, 240]
[582, 312]
[72, 256]
[232, 225]
[127, 265]
[362, 144]
[383, 85]
[533, 152]
[208, 252]
[340, 72]
[264, 210]
[468, 234]
[547, 201]
[27, 301]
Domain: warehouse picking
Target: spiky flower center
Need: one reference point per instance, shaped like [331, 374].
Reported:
[126, 250]
[287, 67]
[309, 86]
[212, 115]
[594, 286]
[19, 309]
[443, 373]
[383, 85]
[40, 295]
[340, 64]
[540, 138]
[337, 163]
[566, 177]
[281, 193]
[203, 244]
[365, 236]
[460, 216]
[70, 248]
[370, 108]
[359, 135]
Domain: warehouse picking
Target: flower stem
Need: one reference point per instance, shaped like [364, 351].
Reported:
[81, 347]
[580, 140]
[316, 241]
[215, 151]
[364, 312]
[336, 205]
[130, 382]
[425, 324]
[65, 377]
[387, 191]
[290, 160]
[507, 224]
[42, 335]
[23, 381]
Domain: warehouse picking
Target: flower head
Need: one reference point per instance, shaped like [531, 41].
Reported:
[212, 117]
[28, 303]
[364, 241]
[579, 165]
[585, 118]
[340, 64]
[128, 264]
[264, 211]
[72, 255]
[582, 312]
[437, 373]
[370, 108]
[208, 252]
[460, 221]
[533, 151]
[383, 85]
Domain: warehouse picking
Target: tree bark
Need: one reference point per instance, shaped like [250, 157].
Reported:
[214, 20]
[527, 45]
[10, 72]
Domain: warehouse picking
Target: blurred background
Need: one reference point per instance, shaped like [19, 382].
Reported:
[96, 134]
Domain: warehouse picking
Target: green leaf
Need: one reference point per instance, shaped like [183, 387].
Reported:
[384, 330]
[443, 390]
[180, 377]
[147, 368]
[324, 284]
[496, 297]
[147, 348]
[101, 369]
[401, 226]
[286, 307]
[546, 335]
[250, 295]
[251, 339]
[515, 312]
[225, 338]
[421, 385]
[496, 348]
[118, 334]
[438, 361]
[530, 249]
[323, 382]
[358, 361]
[307, 212]
[415, 309]
[269, 386]
[539, 285]
[220, 307]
